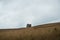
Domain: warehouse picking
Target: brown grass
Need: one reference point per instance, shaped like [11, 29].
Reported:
[40, 32]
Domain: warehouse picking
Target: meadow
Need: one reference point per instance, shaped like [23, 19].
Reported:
[40, 32]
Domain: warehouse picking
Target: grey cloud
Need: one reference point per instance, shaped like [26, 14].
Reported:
[17, 13]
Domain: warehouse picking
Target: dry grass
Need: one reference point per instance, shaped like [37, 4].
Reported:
[43, 32]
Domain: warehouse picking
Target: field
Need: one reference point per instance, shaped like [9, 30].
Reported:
[40, 32]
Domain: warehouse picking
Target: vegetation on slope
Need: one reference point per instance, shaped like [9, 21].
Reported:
[41, 32]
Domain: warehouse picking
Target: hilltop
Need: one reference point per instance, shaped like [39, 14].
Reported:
[40, 32]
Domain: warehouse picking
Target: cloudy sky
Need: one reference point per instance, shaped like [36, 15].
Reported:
[17, 13]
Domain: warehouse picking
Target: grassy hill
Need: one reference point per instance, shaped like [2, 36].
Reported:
[40, 32]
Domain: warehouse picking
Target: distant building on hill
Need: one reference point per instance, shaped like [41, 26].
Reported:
[28, 25]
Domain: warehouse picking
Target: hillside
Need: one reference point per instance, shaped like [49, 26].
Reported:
[40, 32]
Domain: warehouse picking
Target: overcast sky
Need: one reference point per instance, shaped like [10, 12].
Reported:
[17, 13]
